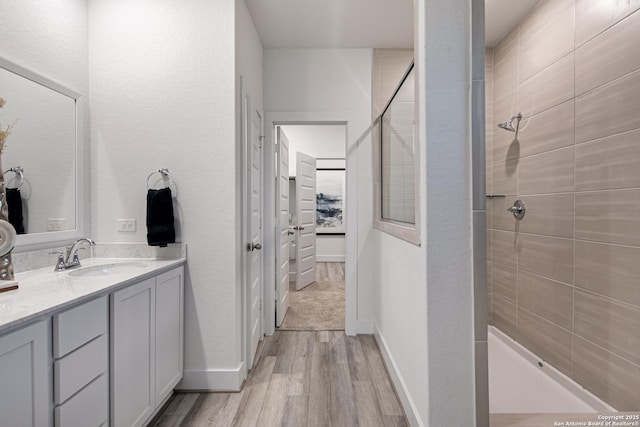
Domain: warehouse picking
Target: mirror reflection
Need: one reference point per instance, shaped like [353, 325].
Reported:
[39, 157]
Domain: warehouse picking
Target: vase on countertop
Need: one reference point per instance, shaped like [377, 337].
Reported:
[7, 233]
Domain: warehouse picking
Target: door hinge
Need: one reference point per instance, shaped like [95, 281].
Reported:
[260, 305]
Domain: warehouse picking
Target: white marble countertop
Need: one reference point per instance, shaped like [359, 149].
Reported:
[42, 292]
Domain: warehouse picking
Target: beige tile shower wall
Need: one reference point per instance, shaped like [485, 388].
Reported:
[389, 65]
[565, 281]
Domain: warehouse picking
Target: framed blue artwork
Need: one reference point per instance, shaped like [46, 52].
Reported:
[330, 201]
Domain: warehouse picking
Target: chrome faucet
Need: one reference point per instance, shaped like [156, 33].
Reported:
[71, 259]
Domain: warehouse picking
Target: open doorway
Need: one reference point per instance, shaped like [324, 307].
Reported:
[316, 227]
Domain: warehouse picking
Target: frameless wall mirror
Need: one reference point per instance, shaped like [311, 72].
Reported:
[42, 155]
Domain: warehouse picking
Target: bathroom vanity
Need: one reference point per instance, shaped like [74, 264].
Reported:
[98, 345]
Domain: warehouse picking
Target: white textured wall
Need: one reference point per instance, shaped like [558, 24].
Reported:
[444, 50]
[162, 84]
[401, 312]
[49, 38]
[249, 56]
[424, 298]
[333, 81]
[329, 248]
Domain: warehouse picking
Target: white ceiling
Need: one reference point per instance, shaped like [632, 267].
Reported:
[361, 23]
[333, 23]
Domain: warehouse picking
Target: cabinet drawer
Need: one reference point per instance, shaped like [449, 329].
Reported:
[79, 325]
[79, 367]
[88, 408]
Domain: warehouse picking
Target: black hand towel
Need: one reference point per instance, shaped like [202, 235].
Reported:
[14, 204]
[160, 229]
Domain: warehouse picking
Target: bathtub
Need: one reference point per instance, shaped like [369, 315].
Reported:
[517, 384]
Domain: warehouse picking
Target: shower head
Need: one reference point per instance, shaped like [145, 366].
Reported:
[508, 125]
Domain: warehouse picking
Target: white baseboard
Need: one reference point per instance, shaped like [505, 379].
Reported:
[213, 380]
[329, 258]
[401, 389]
[359, 327]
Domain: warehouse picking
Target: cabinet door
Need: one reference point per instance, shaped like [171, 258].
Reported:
[133, 354]
[169, 332]
[25, 389]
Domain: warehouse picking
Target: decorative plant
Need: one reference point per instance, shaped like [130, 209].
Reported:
[4, 133]
[7, 232]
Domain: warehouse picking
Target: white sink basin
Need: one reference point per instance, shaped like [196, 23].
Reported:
[108, 269]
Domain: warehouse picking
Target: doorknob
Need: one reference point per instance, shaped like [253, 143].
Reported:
[298, 228]
[253, 246]
[518, 210]
[290, 233]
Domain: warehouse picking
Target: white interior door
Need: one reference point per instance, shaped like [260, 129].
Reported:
[306, 214]
[282, 206]
[254, 247]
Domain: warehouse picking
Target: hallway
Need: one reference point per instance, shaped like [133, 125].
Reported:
[319, 306]
[301, 378]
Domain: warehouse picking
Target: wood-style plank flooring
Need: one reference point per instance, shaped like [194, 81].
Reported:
[330, 272]
[300, 378]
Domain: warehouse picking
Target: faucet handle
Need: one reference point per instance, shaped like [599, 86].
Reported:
[59, 253]
[60, 262]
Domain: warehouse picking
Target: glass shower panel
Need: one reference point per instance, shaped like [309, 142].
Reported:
[398, 154]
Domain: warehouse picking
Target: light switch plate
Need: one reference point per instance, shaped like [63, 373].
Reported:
[56, 224]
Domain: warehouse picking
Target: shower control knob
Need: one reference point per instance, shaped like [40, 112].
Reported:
[518, 210]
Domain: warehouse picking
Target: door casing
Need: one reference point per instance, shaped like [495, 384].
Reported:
[353, 325]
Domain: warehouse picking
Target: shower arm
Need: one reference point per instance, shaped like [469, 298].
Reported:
[518, 117]
[508, 125]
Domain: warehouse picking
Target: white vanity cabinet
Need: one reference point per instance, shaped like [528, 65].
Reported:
[25, 389]
[81, 365]
[146, 346]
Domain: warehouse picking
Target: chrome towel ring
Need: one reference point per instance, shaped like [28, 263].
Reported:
[165, 174]
[19, 173]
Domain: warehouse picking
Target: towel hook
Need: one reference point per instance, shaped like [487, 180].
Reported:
[19, 173]
[165, 174]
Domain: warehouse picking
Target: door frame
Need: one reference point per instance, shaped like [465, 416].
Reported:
[271, 120]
